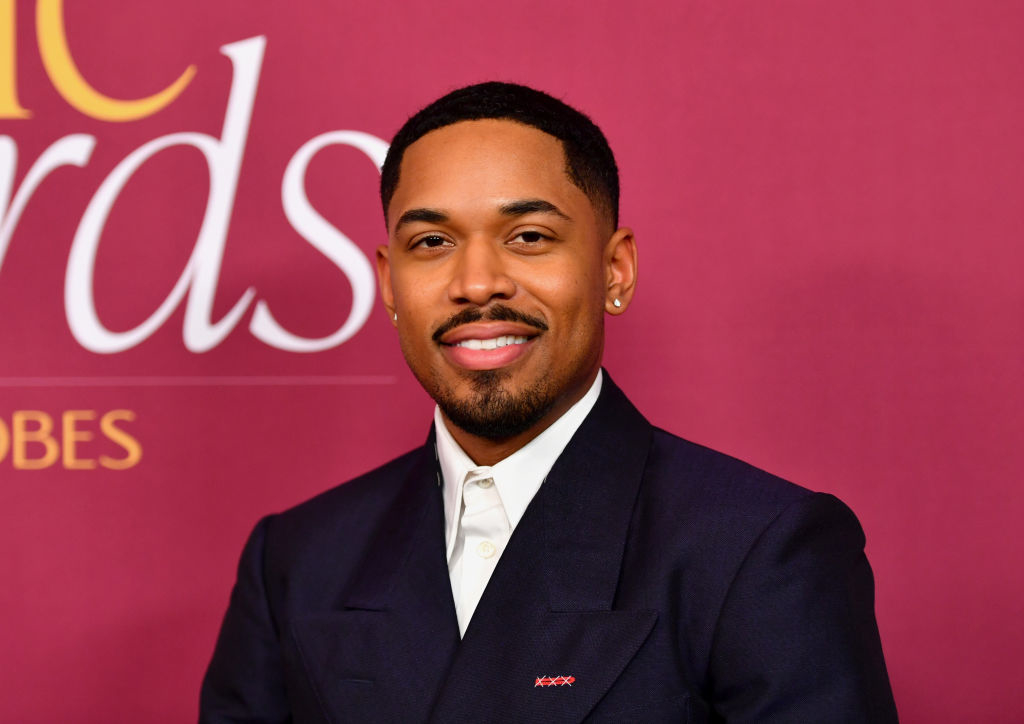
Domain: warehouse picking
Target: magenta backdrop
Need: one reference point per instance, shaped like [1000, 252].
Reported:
[828, 198]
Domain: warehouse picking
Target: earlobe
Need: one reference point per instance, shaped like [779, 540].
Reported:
[620, 261]
[384, 281]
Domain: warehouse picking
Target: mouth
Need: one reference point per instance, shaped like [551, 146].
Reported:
[492, 343]
[487, 345]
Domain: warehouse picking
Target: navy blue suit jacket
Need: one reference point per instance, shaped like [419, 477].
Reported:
[673, 583]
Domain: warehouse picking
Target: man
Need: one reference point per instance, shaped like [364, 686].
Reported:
[547, 555]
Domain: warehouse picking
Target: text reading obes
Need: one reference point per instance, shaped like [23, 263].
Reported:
[75, 439]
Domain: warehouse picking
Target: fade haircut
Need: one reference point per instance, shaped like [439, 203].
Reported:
[589, 162]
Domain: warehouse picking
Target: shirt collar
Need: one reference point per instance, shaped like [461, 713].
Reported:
[519, 476]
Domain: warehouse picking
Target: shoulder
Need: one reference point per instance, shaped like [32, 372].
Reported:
[696, 475]
[718, 507]
[342, 517]
[723, 530]
[355, 496]
[683, 475]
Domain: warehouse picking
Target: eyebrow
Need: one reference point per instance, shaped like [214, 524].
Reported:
[532, 206]
[429, 216]
[521, 207]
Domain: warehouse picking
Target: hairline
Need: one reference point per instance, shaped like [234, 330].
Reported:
[601, 206]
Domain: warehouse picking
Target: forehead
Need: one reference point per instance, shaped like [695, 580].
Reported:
[483, 163]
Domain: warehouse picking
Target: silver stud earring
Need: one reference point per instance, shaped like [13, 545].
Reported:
[616, 303]
[394, 316]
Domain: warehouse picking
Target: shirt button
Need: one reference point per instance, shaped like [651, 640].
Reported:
[486, 549]
[485, 483]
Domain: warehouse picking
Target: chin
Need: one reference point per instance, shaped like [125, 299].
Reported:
[491, 410]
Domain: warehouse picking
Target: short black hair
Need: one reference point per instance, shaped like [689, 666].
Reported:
[590, 164]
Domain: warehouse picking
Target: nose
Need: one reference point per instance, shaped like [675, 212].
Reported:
[480, 274]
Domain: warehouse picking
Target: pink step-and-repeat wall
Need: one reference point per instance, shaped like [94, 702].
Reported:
[829, 201]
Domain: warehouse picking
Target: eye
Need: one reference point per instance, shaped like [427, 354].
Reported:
[430, 241]
[531, 240]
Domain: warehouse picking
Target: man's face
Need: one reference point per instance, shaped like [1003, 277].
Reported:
[497, 269]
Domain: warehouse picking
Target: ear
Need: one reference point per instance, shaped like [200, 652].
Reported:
[620, 270]
[387, 294]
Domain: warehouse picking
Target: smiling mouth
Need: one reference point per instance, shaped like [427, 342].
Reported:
[475, 347]
[492, 343]
[474, 340]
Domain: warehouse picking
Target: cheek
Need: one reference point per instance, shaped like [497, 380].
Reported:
[573, 296]
[417, 306]
[406, 288]
[564, 276]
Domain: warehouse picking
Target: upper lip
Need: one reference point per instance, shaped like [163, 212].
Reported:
[488, 330]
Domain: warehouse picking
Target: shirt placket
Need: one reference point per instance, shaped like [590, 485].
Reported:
[485, 531]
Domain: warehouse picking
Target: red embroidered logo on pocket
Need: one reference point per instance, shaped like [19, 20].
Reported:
[554, 681]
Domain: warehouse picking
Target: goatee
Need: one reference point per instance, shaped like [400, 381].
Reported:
[492, 412]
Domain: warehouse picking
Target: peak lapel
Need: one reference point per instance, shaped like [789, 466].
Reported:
[547, 611]
[385, 653]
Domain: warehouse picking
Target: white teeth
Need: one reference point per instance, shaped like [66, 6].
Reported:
[493, 343]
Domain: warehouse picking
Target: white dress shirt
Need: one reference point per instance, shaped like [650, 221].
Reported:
[484, 503]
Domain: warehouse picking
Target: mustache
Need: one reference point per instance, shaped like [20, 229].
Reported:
[497, 313]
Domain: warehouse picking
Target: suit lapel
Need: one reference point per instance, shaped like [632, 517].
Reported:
[386, 651]
[547, 610]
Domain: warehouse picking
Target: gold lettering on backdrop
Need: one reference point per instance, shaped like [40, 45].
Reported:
[34, 444]
[5, 440]
[75, 89]
[64, 74]
[21, 436]
[122, 438]
[72, 435]
[9, 105]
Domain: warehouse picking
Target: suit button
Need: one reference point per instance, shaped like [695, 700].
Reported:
[486, 549]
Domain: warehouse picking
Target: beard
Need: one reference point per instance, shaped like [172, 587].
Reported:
[495, 407]
[491, 411]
